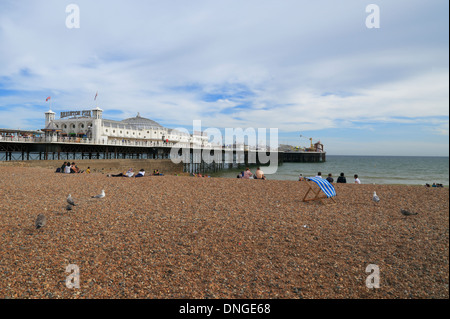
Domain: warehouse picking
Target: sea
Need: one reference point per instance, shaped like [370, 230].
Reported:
[408, 170]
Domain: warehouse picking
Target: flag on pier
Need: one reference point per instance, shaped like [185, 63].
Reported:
[95, 98]
[46, 100]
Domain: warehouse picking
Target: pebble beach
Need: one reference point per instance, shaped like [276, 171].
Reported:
[171, 237]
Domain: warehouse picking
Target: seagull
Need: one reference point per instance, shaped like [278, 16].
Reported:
[406, 213]
[100, 195]
[70, 200]
[375, 197]
[41, 220]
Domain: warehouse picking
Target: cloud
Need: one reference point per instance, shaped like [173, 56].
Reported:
[296, 65]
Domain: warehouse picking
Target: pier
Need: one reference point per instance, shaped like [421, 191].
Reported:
[192, 159]
[304, 157]
[86, 135]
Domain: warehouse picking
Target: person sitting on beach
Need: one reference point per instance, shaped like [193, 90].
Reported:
[357, 181]
[157, 173]
[301, 178]
[63, 167]
[67, 169]
[73, 168]
[247, 174]
[329, 178]
[259, 174]
[319, 175]
[141, 173]
[341, 179]
[88, 170]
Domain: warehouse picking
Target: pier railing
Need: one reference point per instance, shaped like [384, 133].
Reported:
[126, 142]
[79, 140]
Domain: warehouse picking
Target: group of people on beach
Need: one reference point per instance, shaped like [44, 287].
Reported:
[198, 174]
[247, 174]
[340, 179]
[434, 185]
[71, 168]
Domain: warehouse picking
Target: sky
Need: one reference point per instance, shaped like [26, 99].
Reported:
[310, 69]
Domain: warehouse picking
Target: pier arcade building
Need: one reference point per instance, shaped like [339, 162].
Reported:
[91, 127]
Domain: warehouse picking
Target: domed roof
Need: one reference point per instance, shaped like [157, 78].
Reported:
[141, 122]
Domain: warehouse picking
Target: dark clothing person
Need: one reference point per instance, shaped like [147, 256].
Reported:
[341, 179]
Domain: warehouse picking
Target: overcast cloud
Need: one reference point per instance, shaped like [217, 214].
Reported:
[304, 67]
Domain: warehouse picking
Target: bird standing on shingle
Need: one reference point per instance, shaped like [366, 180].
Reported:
[41, 220]
[70, 200]
[100, 195]
[375, 197]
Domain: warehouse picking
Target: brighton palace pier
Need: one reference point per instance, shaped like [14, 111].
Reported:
[80, 135]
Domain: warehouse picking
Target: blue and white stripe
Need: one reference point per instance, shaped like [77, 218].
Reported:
[324, 185]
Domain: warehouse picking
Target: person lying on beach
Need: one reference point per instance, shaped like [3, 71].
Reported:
[157, 173]
[141, 173]
[128, 173]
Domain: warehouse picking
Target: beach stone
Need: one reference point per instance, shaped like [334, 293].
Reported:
[195, 238]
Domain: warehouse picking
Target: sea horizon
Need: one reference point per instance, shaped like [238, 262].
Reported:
[373, 169]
